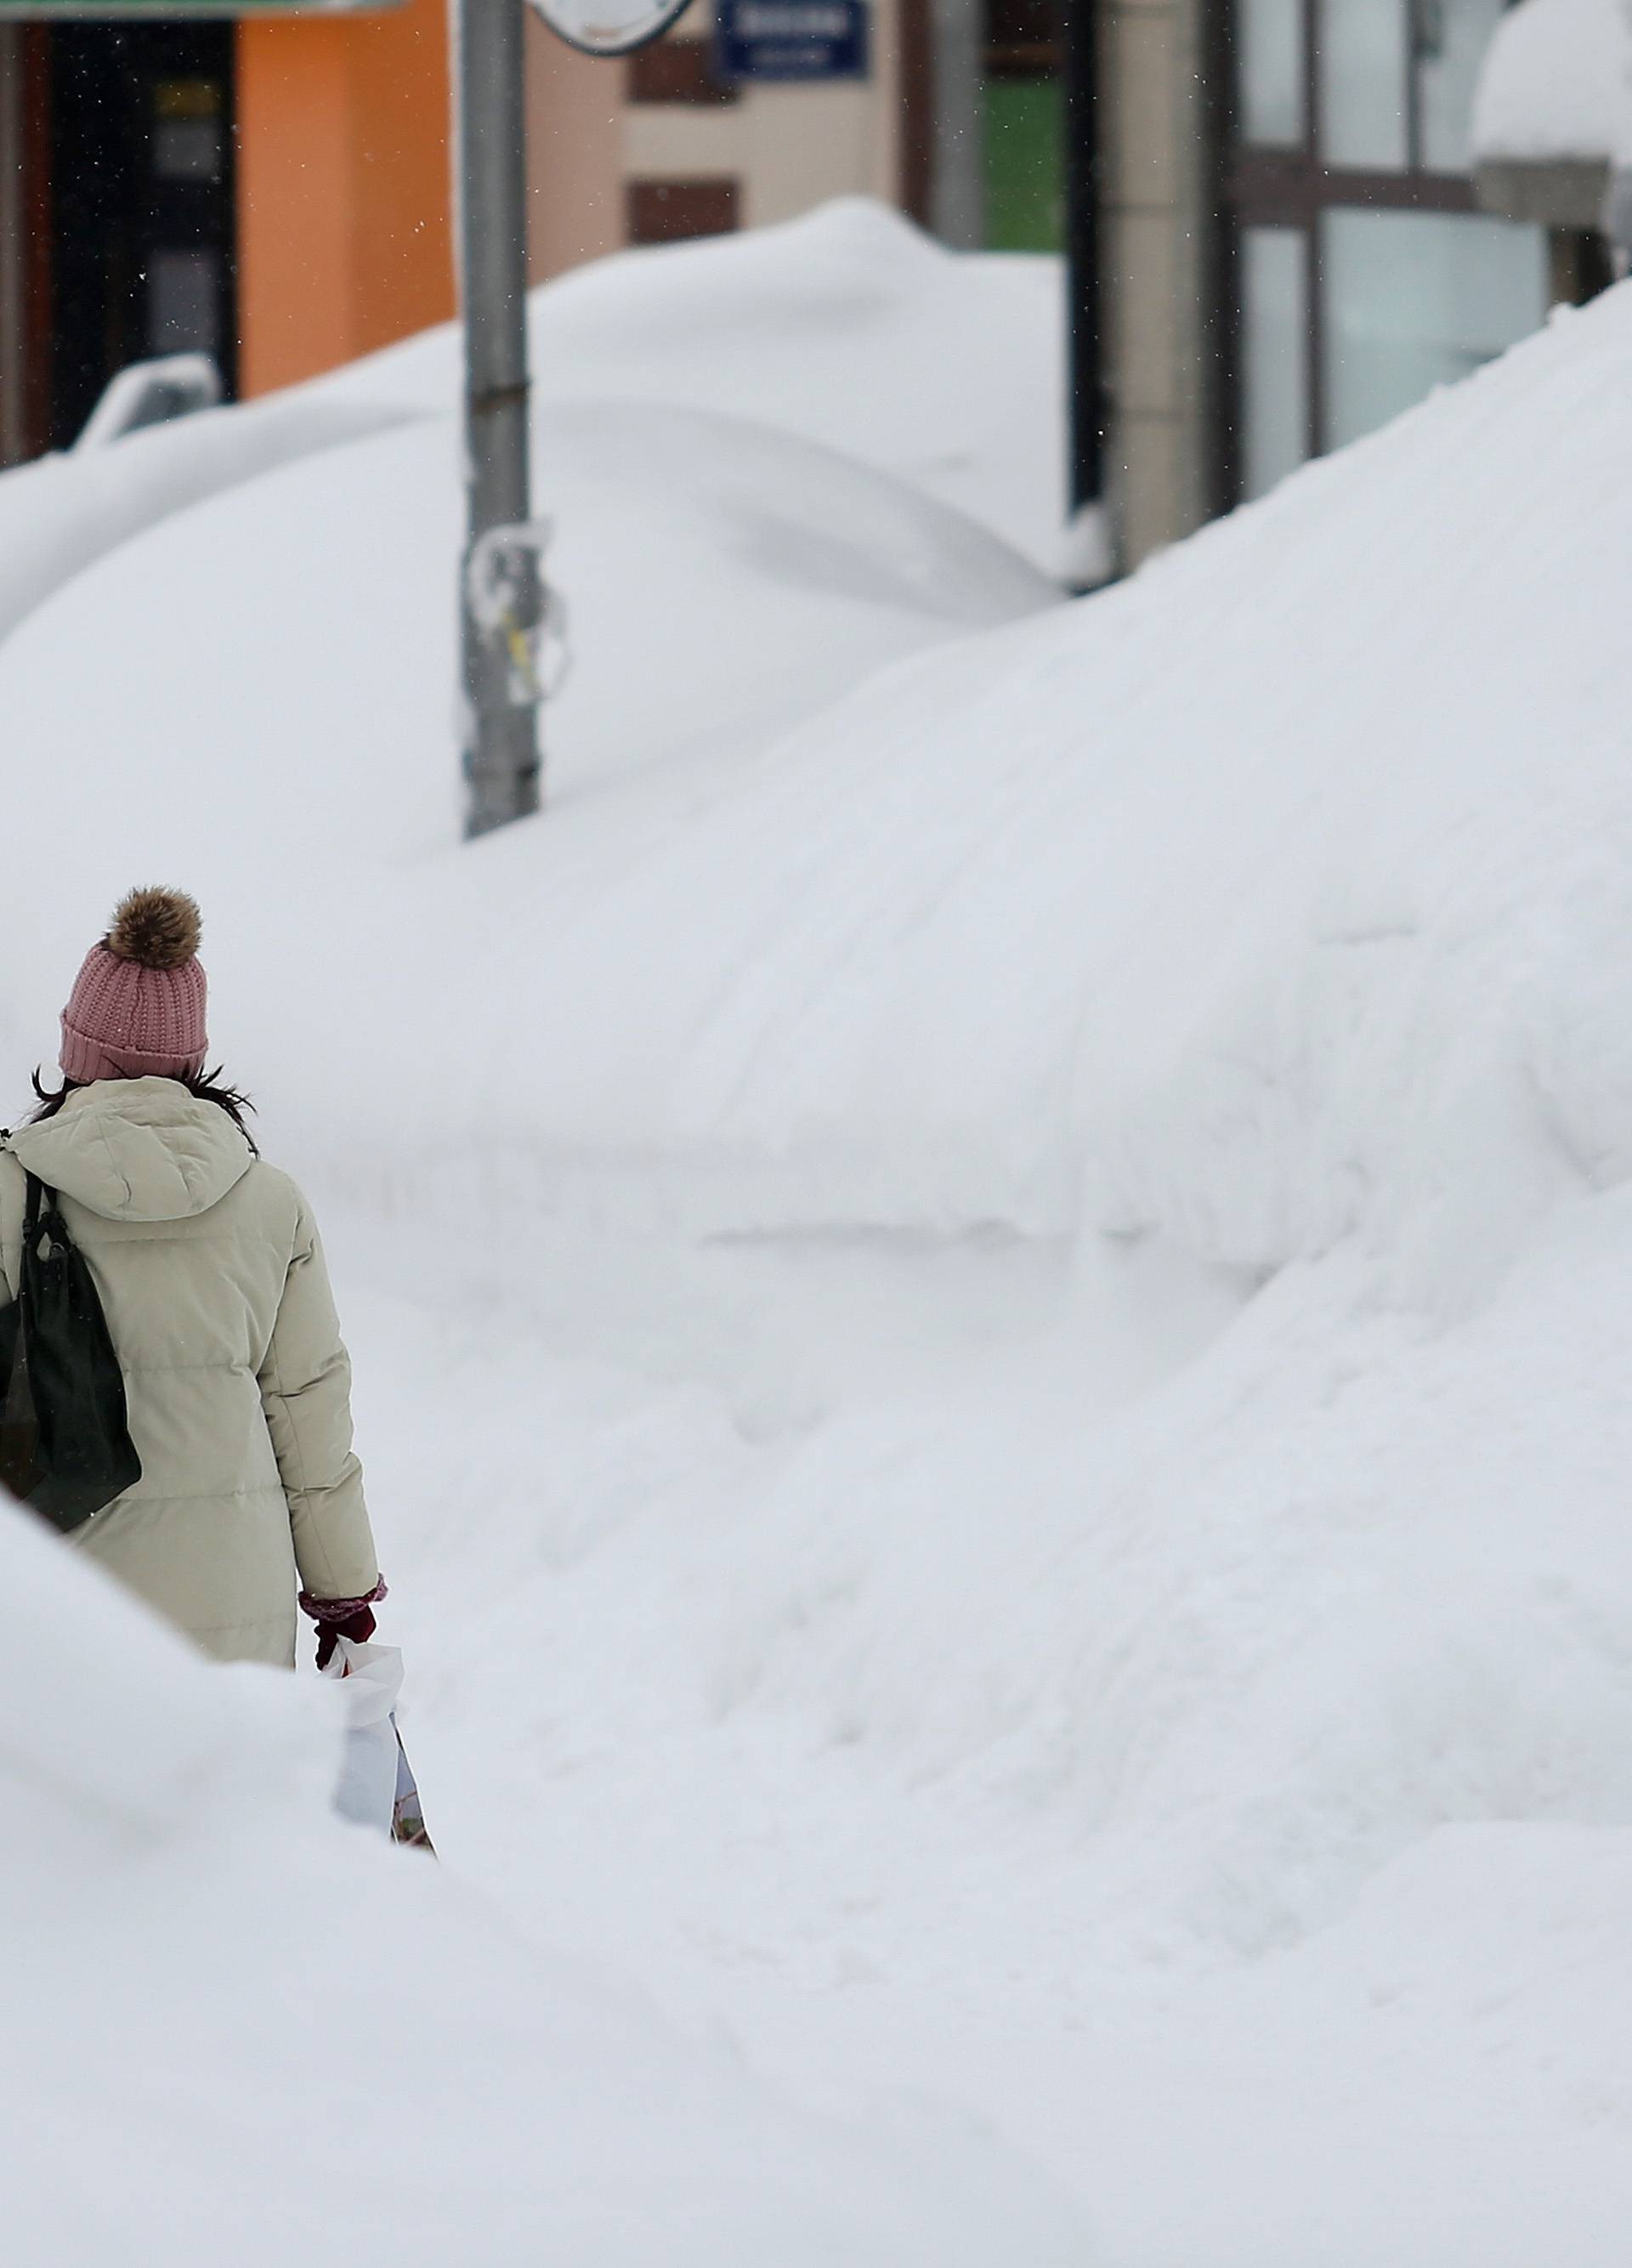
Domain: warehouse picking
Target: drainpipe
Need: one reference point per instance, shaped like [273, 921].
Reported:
[957, 174]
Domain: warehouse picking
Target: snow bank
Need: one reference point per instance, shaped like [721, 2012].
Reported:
[1258, 931]
[1554, 83]
[61, 513]
[237, 2016]
[849, 328]
[722, 581]
[918, 965]
[1019, 1288]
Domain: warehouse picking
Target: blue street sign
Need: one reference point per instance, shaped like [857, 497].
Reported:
[792, 38]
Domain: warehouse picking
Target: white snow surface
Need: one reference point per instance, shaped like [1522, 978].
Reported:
[62, 512]
[849, 327]
[722, 580]
[1554, 83]
[991, 1343]
[230, 2023]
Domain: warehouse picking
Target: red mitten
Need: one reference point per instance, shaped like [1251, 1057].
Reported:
[359, 1627]
[338, 1618]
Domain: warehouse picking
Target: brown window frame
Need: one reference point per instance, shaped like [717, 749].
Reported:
[679, 71]
[680, 209]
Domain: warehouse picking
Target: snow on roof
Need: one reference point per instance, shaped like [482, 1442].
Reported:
[1554, 85]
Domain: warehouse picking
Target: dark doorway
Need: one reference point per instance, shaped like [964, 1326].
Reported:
[143, 234]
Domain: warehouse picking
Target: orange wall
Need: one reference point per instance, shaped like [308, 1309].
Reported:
[343, 188]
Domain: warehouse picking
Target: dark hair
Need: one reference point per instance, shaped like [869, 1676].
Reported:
[206, 1086]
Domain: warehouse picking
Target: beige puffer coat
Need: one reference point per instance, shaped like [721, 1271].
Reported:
[213, 1283]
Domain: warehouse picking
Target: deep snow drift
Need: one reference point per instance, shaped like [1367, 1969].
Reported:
[722, 580]
[227, 2022]
[848, 327]
[63, 512]
[990, 1333]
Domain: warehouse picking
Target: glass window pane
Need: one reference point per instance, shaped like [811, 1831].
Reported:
[1275, 359]
[183, 302]
[1451, 37]
[1414, 300]
[1023, 152]
[186, 149]
[1364, 56]
[1270, 33]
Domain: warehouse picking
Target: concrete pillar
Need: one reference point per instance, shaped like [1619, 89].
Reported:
[1158, 236]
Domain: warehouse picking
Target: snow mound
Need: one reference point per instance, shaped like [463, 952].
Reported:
[849, 327]
[1274, 898]
[1554, 83]
[1260, 930]
[1020, 1288]
[61, 513]
[714, 570]
[293, 2027]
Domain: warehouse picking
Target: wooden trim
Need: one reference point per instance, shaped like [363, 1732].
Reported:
[916, 108]
[678, 70]
[1271, 185]
[1040, 60]
[671, 211]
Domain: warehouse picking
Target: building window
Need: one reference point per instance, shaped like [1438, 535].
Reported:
[1367, 277]
[679, 71]
[665, 212]
[1023, 127]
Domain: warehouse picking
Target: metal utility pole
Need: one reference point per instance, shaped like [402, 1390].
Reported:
[500, 729]
[957, 172]
[1090, 406]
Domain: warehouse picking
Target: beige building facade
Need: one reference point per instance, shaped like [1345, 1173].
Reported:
[780, 150]
[1162, 268]
[660, 148]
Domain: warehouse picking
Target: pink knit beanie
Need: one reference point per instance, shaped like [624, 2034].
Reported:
[137, 1007]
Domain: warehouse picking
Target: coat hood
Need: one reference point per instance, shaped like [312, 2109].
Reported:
[137, 1149]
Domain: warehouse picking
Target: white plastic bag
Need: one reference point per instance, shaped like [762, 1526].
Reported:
[373, 1674]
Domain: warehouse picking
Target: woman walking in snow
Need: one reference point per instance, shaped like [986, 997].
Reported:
[212, 1281]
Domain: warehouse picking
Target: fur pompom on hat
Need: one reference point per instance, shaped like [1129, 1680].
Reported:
[138, 1006]
[157, 929]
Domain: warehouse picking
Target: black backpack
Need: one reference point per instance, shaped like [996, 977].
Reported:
[65, 1446]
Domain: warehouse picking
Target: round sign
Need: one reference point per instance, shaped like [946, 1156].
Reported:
[610, 27]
